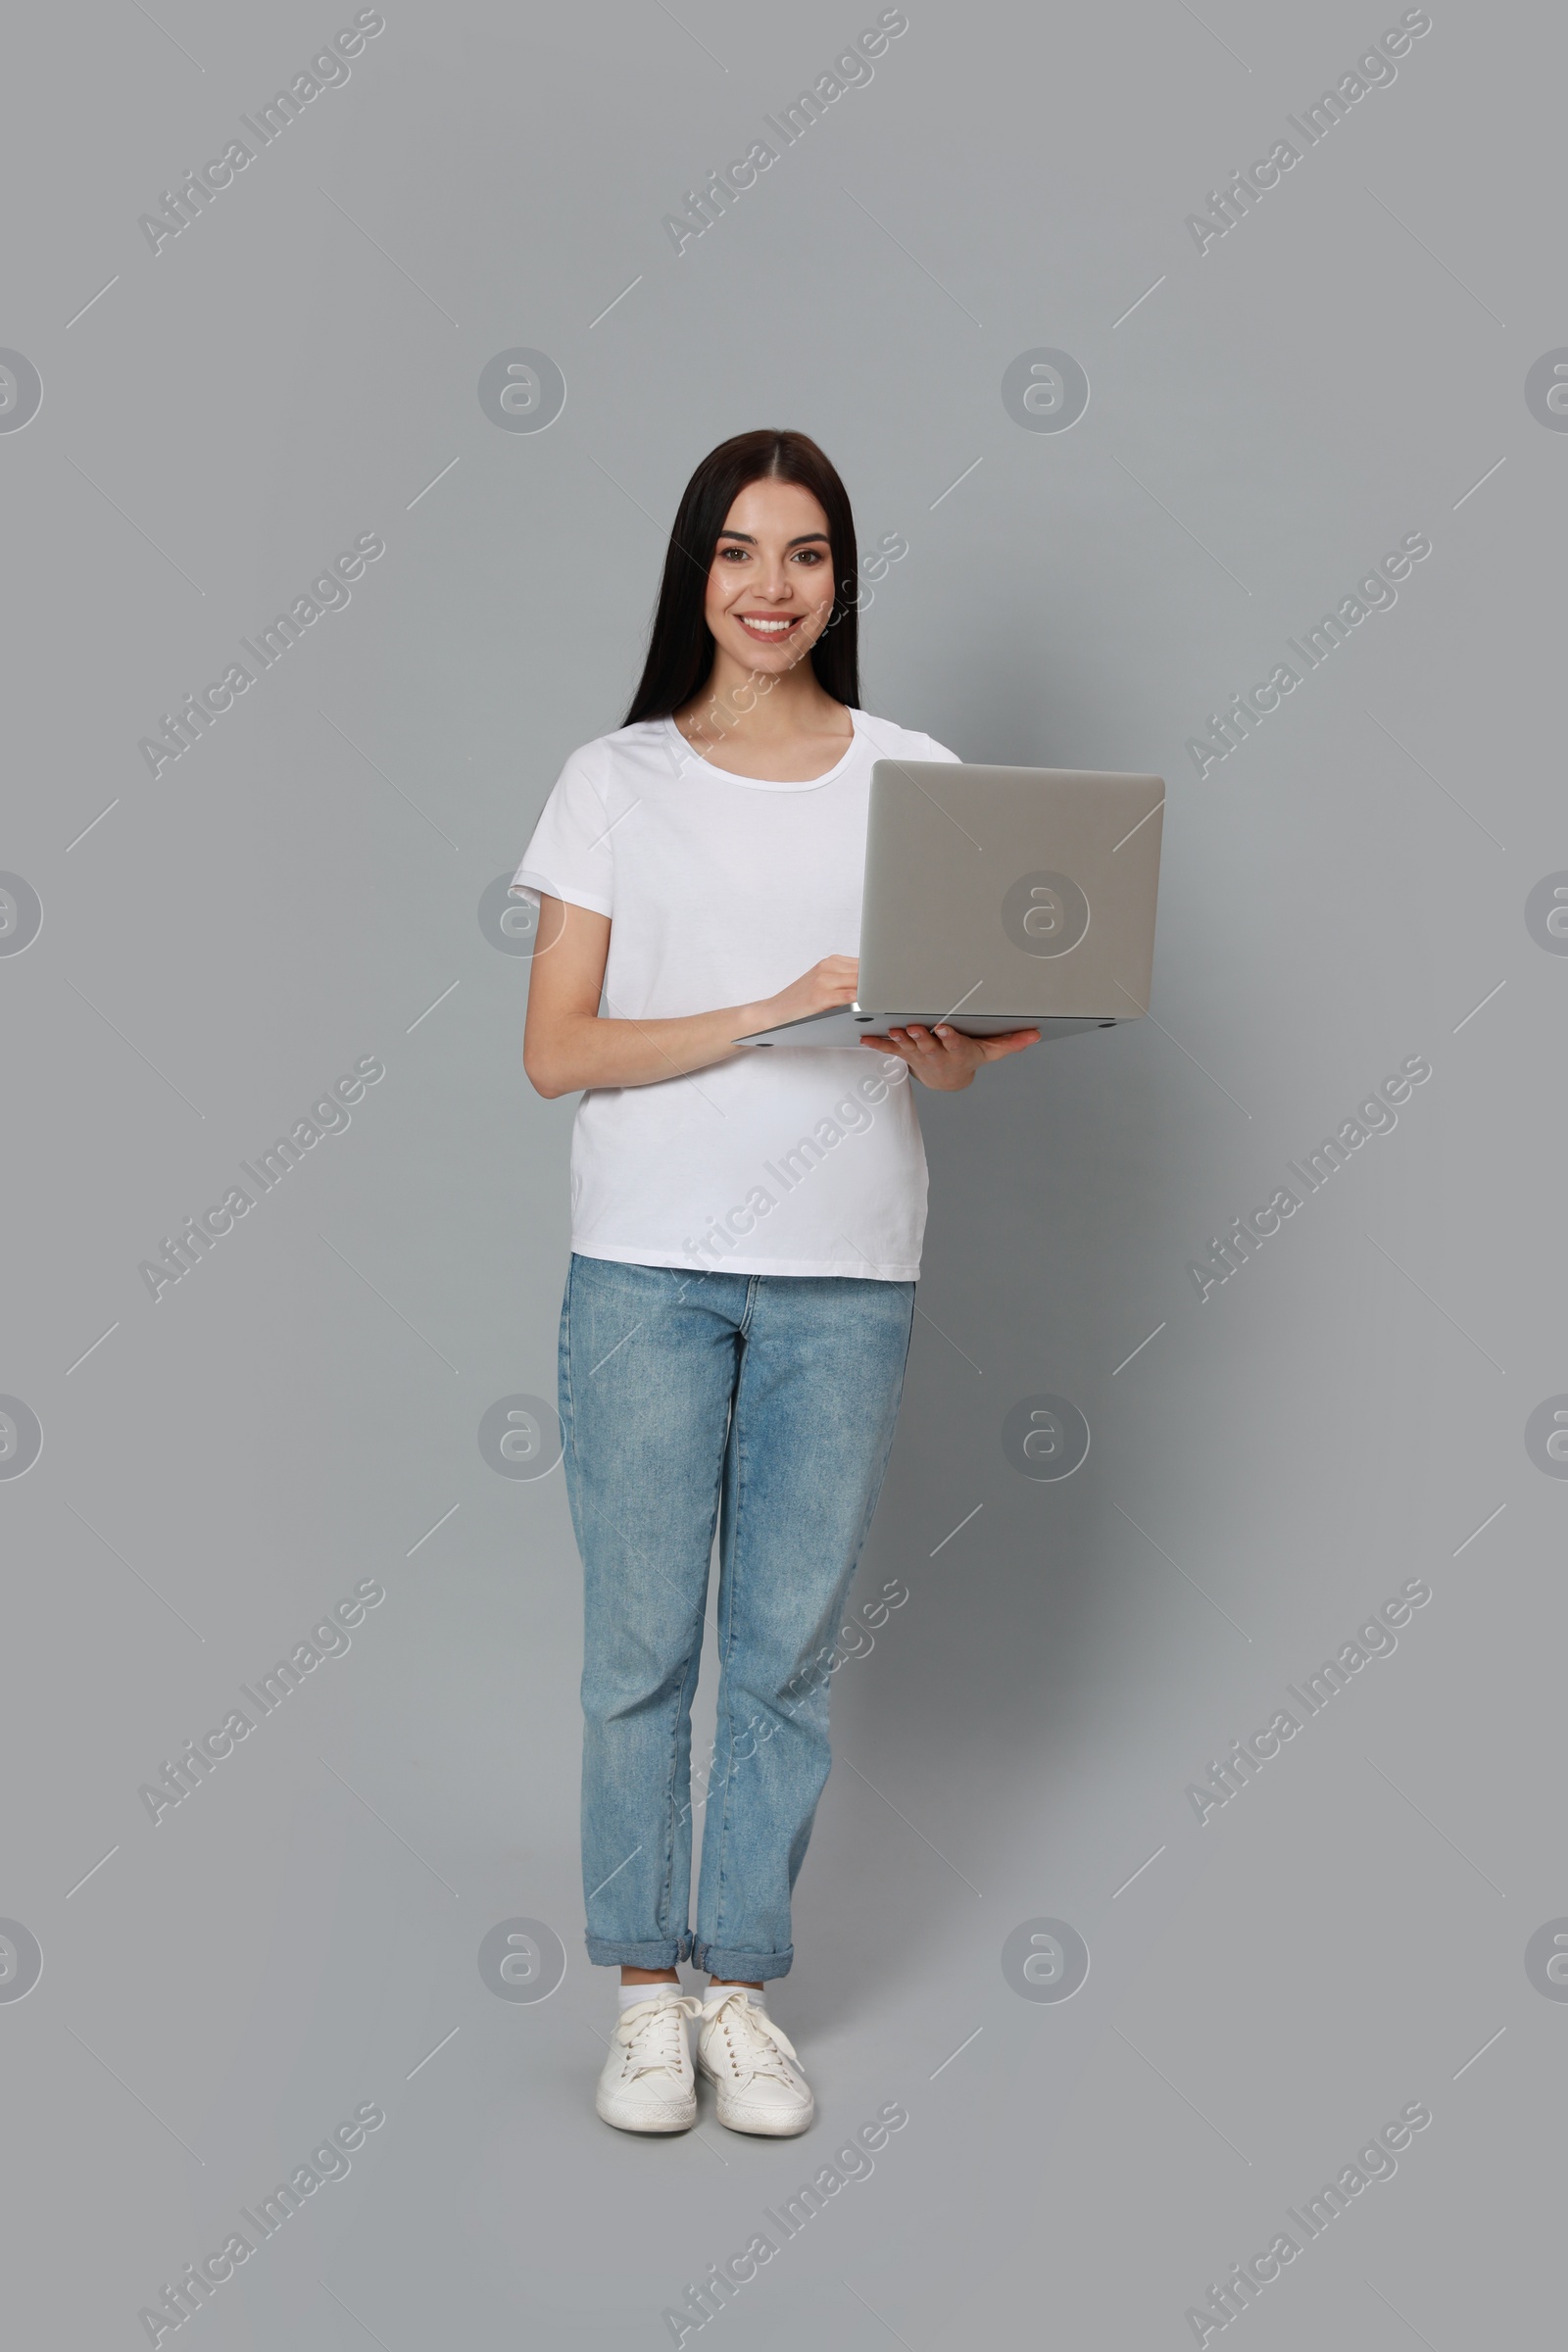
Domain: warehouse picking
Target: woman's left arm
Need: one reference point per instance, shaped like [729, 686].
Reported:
[944, 1058]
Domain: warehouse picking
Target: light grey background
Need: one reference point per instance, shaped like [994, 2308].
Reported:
[302, 888]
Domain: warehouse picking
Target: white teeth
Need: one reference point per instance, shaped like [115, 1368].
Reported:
[775, 628]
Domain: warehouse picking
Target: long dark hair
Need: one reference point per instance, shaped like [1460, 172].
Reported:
[680, 645]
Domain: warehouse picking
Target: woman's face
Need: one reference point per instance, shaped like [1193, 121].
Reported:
[770, 589]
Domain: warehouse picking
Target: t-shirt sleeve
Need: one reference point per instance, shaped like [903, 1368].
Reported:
[939, 751]
[571, 855]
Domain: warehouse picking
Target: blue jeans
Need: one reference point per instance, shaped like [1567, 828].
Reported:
[764, 1404]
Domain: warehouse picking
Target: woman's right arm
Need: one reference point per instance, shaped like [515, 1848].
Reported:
[566, 1046]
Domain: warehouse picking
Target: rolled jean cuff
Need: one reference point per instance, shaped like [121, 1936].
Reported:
[723, 1960]
[603, 1952]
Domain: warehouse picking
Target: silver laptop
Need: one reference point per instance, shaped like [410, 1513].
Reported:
[999, 897]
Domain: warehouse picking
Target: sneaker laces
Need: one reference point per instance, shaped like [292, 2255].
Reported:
[651, 2033]
[765, 2048]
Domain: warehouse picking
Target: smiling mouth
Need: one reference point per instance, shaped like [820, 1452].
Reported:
[768, 629]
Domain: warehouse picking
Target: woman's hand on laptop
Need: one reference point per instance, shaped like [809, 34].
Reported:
[944, 1058]
[570, 1044]
[823, 989]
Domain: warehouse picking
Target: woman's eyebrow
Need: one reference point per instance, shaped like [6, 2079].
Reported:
[804, 539]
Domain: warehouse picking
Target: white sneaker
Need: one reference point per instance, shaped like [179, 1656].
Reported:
[647, 2084]
[752, 2062]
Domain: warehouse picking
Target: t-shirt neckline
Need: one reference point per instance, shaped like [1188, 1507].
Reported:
[679, 745]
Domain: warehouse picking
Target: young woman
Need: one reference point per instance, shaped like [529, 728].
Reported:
[746, 1233]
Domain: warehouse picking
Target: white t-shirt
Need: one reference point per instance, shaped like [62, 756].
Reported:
[722, 889]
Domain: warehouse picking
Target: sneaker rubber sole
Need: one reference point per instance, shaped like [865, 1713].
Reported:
[761, 2118]
[670, 2116]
